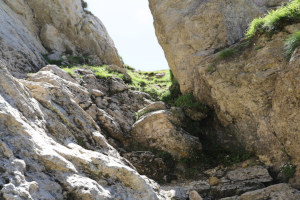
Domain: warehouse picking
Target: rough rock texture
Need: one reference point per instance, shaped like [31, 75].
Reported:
[255, 92]
[34, 27]
[244, 180]
[190, 30]
[52, 149]
[148, 164]
[160, 130]
[274, 192]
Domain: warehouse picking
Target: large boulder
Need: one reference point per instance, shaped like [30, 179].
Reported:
[190, 30]
[161, 130]
[254, 92]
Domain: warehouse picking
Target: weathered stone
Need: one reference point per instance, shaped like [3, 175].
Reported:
[117, 86]
[257, 173]
[194, 195]
[97, 93]
[30, 27]
[148, 164]
[160, 75]
[116, 68]
[213, 181]
[157, 130]
[195, 115]
[187, 32]
[155, 106]
[279, 191]
[52, 149]
[254, 93]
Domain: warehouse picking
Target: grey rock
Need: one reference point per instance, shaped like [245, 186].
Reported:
[157, 130]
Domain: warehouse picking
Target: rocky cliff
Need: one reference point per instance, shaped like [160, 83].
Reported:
[252, 87]
[30, 29]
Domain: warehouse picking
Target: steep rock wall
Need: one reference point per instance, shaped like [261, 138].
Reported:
[255, 92]
[32, 28]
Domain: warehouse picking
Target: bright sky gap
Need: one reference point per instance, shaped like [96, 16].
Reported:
[130, 25]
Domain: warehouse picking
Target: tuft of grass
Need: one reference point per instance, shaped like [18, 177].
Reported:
[70, 70]
[211, 68]
[226, 53]
[274, 19]
[258, 47]
[188, 101]
[149, 83]
[291, 43]
[102, 72]
[288, 170]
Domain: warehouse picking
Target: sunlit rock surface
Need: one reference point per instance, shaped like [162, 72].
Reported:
[35, 27]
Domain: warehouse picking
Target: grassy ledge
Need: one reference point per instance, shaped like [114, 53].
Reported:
[275, 19]
[291, 43]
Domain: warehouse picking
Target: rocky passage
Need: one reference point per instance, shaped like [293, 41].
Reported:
[78, 135]
[56, 135]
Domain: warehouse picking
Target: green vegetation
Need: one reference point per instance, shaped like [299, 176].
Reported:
[275, 19]
[211, 68]
[84, 4]
[258, 47]
[173, 91]
[144, 112]
[213, 154]
[102, 72]
[188, 101]
[291, 43]
[288, 170]
[226, 53]
[148, 82]
[70, 70]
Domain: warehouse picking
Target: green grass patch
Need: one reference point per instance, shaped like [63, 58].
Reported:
[188, 101]
[258, 47]
[288, 170]
[70, 70]
[226, 53]
[148, 82]
[291, 43]
[102, 72]
[275, 19]
[211, 68]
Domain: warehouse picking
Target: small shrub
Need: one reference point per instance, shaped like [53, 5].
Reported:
[258, 47]
[84, 4]
[288, 170]
[226, 53]
[188, 101]
[211, 68]
[291, 43]
[102, 72]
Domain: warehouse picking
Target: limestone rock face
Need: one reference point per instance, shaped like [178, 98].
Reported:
[255, 92]
[51, 148]
[190, 30]
[279, 191]
[161, 130]
[35, 27]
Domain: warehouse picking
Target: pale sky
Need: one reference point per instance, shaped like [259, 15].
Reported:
[130, 25]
